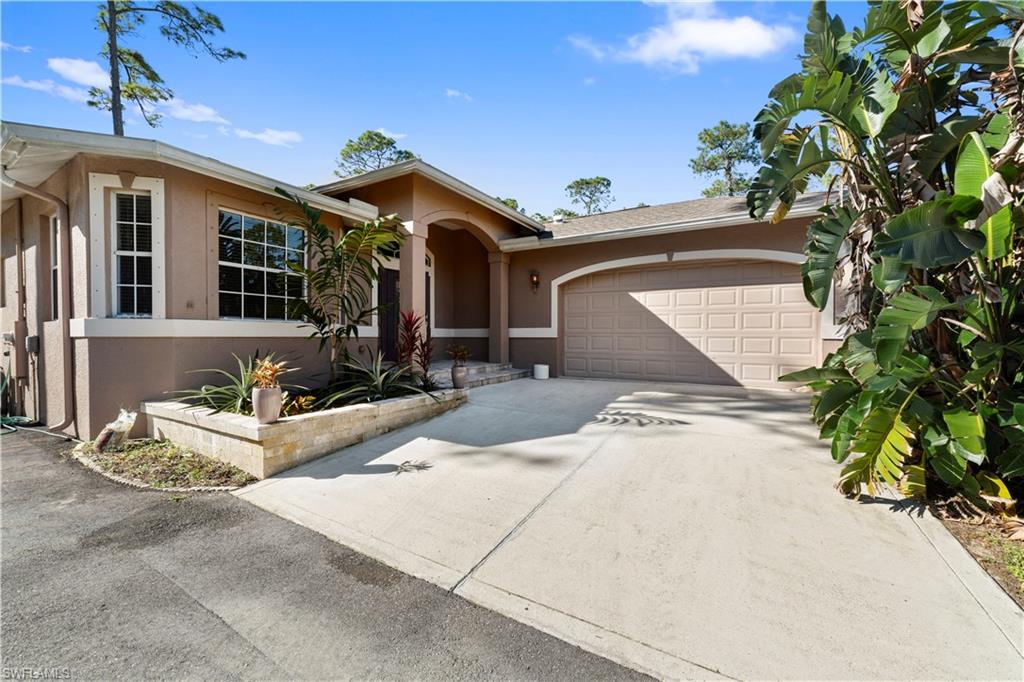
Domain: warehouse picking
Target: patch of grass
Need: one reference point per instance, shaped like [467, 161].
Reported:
[162, 464]
[1002, 558]
[1012, 554]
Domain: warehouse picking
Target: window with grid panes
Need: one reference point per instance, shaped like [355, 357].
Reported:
[133, 255]
[253, 255]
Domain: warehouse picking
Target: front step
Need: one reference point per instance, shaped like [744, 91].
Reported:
[440, 370]
[443, 378]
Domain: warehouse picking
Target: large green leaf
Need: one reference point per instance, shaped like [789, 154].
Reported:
[858, 356]
[905, 313]
[813, 374]
[786, 172]
[826, 43]
[996, 132]
[834, 97]
[973, 168]
[884, 441]
[944, 141]
[930, 234]
[849, 421]
[878, 99]
[825, 237]
[889, 274]
[949, 464]
[967, 433]
[833, 398]
[1010, 462]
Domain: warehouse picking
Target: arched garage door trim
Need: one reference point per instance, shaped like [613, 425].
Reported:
[827, 327]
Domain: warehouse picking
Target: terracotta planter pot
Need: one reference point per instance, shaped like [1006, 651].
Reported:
[459, 373]
[266, 404]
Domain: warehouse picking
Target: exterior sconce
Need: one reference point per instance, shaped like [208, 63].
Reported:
[534, 279]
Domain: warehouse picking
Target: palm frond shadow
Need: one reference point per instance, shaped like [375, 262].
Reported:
[623, 417]
[913, 507]
[409, 466]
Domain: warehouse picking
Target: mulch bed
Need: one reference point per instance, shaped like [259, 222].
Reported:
[164, 465]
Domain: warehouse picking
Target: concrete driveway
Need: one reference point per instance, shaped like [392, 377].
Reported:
[685, 533]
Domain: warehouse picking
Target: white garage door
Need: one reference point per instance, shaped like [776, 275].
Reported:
[719, 322]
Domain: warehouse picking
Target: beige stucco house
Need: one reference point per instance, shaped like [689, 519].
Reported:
[128, 263]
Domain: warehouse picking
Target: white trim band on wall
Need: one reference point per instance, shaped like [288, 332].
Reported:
[140, 327]
[456, 333]
[828, 329]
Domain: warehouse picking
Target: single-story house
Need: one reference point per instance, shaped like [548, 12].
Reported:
[128, 264]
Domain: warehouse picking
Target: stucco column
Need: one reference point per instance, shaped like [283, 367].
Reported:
[498, 333]
[412, 268]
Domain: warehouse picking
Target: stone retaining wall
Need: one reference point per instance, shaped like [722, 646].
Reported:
[266, 449]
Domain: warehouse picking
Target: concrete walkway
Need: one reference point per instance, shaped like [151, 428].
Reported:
[685, 535]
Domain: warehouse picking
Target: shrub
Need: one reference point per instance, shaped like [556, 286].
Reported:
[415, 348]
[365, 383]
[914, 123]
[236, 394]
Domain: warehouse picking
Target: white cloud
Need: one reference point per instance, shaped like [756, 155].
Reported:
[691, 34]
[589, 80]
[187, 111]
[15, 48]
[79, 71]
[452, 93]
[388, 133]
[78, 95]
[279, 138]
[587, 46]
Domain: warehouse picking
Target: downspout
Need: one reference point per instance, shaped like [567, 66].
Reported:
[20, 322]
[65, 294]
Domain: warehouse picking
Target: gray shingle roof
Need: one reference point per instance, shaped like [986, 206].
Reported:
[676, 212]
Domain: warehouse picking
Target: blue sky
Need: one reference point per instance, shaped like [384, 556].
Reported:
[517, 99]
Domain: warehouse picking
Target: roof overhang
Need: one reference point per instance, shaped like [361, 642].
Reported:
[450, 182]
[727, 220]
[32, 153]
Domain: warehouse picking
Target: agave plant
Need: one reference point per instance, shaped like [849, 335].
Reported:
[366, 383]
[915, 124]
[235, 394]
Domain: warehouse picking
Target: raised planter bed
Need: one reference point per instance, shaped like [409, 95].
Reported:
[266, 449]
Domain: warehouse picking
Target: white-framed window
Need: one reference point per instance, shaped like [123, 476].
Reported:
[133, 253]
[105, 247]
[254, 280]
[54, 270]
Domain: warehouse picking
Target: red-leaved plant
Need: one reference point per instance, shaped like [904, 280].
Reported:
[415, 348]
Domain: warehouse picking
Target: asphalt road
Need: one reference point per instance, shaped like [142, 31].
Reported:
[101, 581]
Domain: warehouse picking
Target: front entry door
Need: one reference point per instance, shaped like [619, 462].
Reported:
[387, 314]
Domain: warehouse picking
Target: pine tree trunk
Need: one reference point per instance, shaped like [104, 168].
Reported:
[115, 71]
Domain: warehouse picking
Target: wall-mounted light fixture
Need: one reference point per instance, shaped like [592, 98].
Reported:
[534, 279]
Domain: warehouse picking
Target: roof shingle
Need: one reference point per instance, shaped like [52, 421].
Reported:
[676, 212]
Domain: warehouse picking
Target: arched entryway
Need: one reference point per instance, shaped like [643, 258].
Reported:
[460, 301]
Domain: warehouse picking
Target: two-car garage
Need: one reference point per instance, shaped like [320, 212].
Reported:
[732, 322]
[693, 291]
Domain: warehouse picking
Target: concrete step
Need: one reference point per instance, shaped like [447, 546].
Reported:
[439, 370]
[474, 379]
